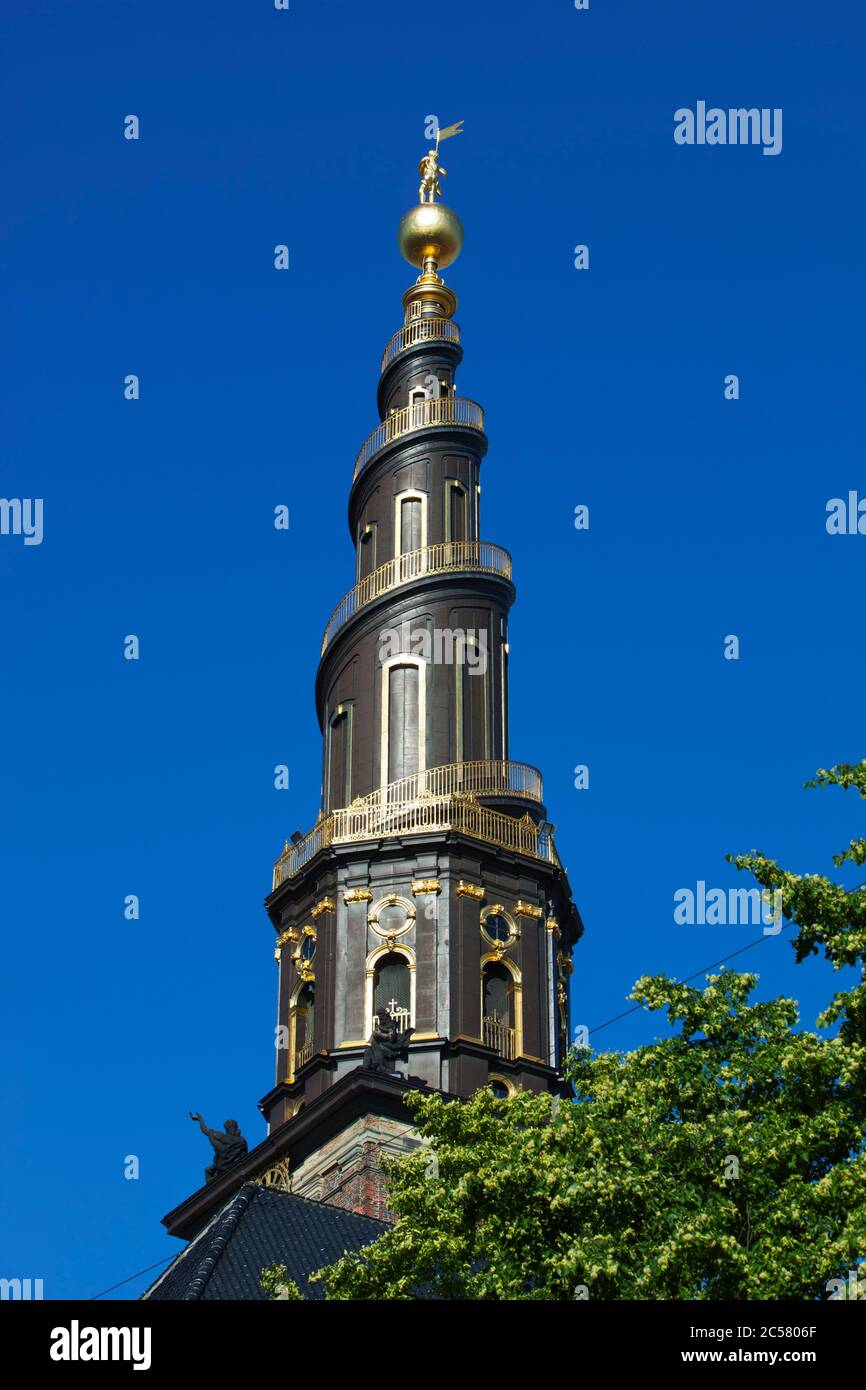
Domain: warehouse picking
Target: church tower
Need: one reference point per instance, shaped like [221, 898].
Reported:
[429, 893]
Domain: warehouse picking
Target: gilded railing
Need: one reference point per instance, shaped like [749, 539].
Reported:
[499, 1036]
[476, 556]
[297, 855]
[303, 1054]
[484, 777]
[420, 330]
[438, 410]
[402, 1017]
[377, 819]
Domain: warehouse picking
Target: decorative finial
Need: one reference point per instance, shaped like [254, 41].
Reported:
[430, 235]
[430, 168]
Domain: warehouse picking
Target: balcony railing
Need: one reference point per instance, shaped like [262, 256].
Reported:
[438, 410]
[401, 1016]
[499, 1036]
[484, 777]
[420, 330]
[303, 1054]
[475, 556]
[376, 817]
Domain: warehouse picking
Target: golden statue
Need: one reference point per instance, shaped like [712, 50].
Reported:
[430, 169]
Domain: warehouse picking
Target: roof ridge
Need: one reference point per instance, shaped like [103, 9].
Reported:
[235, 1224]
[222, 1235]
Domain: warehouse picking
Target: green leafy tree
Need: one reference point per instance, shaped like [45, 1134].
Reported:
[277, 1284]
[724, 1162]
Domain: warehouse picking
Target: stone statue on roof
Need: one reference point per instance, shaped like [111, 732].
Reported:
[229, 1147]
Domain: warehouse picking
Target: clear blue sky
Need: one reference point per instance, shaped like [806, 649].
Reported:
[604, 387]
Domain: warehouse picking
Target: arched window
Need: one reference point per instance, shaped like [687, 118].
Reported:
[472, 694]
[338, 787]
[503, 690]
[303, 1027]
[367, 541]
[403, 734]
[391, 988]
[456, 511]
[410, 526]
[498, 1011]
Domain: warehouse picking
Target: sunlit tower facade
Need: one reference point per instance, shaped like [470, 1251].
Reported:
[429, 892]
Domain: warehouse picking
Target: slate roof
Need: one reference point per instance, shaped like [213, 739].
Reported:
[259, 1226]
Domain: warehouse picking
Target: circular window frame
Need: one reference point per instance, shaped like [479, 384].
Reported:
[497, 910]
[391, 900]
[304, 964]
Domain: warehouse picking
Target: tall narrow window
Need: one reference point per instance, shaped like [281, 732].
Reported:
[503, 690]
[303, 1019]
[404, 732]
[391, 995]
[410, 529]
[367, 549]
[456, 511]
[471, 681]
[497, 1010]
[410, 525]
[339, 771]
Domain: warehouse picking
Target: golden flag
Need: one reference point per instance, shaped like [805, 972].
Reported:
[455, 129]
